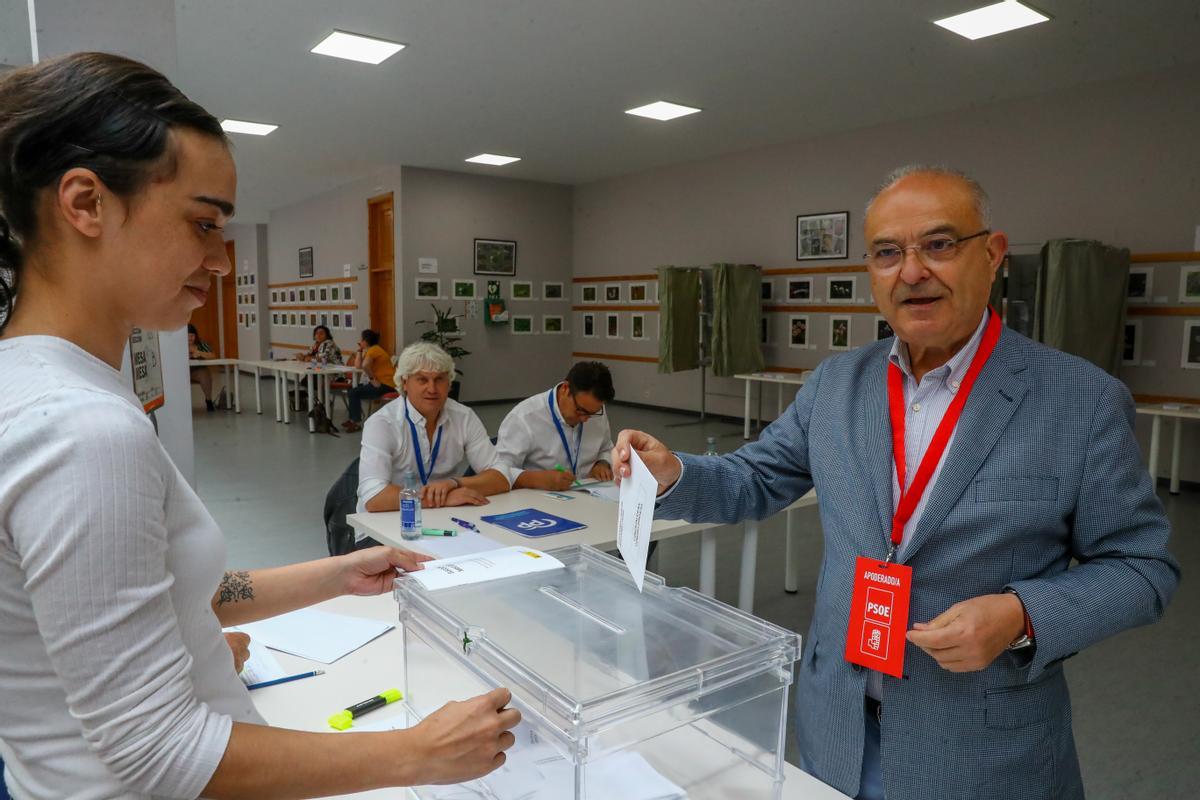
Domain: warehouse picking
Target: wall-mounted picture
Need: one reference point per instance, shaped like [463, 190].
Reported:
[1189, 284]
[464, 289]
[275, 319]
[798, 331]
[292, 320]
[522, 324]
[1141, 284]
[291, 295]
[312, 295]
[325, 319]
[336, 322]
[552, 290]
[430, 288]
[493, 288]
[303, 319]
[763, 328]
[251, 277]
[799, 290]
[346, 296]
[323, 294]
[274, 297]
[238, 280]
[347, 320]
[637, 328]
[552, 323]
[589, 325]
[1131, 350]
[335, 294]
[253, 319]
[613, 330]
[495, 257]
[591, 294]
[1191, 344]
[821, 236]
[883, 330]
[612, 293]
[841, 290]
[768, 290]
[241, 319]
[522, 290]
[639, 293]
[839, 333]
[306, 262]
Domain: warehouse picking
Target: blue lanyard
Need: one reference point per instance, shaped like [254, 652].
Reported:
[562, 436]
[416, 443]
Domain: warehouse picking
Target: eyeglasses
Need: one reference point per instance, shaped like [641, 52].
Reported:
[931, 250]
[583, 412]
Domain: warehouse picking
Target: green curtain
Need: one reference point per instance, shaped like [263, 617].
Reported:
[679, 319]
[1083, 299]
[737, 309]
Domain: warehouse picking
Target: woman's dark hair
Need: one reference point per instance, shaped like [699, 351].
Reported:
[192, 330]
[370, 337]
[328, 335]
[97, 111]
[594, 377]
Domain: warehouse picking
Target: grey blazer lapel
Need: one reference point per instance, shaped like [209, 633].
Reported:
[994, 399]
[874, 444]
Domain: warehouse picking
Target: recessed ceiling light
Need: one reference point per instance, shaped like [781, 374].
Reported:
[492, 159]
[354, 47]
[993, 19]
[662, 110]
[252, 128]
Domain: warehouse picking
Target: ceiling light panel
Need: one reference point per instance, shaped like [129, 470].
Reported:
[491, 159]
[354, 47]
[662, 110]
[252, 128]
[993, 19]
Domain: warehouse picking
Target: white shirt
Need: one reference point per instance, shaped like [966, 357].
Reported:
[387, 449]
[529, 439]
[925, 404]
[115, 681]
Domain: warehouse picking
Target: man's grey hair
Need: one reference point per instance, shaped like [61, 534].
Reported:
[983, 205]
[423, 357]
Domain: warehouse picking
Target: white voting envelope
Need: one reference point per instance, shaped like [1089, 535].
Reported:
[635, 515]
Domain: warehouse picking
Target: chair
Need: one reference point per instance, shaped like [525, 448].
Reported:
[341, 501]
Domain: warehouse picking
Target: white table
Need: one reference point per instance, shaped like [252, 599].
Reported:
[1179, 414]
[298, 369]
[225, 363]
[307, 704]
[600, 517]
[780, 379]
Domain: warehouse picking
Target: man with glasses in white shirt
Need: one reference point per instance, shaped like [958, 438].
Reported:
[558, 436]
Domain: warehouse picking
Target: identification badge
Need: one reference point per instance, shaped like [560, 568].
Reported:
[879, 616]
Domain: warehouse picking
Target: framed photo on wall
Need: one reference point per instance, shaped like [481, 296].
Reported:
[883, 330]
[1189, 283]
[589, 326]
[822, 236]
[591, 293]
[768, 290]
[637, 328]
[763, 329]
[429, 288]
[839, 333]
[306, 262]
[464, 289]
[639, 293]
[1141, 285]
[521, 290]
[841, 290]
[1131, 348]
[612, 293]
[345, 293]
[522, 324]
[798, 331]
[1191, 344]
[613, 327]
[799, 290]
[552, 290]
[552, 323]
[495, 257]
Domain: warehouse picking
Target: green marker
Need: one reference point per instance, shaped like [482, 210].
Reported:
[344, 719]
[559, 467]
[438, 532]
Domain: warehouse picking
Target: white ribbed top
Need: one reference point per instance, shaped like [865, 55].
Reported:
[115, 681]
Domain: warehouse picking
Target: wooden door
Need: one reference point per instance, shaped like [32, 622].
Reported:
[229, 305]
[206, 318]
[381, 264]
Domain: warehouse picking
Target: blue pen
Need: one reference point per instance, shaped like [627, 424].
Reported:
[289, 678]
[462, 523]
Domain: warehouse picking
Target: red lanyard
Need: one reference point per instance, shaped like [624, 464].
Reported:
[910, 497]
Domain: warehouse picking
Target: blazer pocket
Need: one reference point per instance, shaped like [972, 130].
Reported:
[1016, 489]
[1013, 707]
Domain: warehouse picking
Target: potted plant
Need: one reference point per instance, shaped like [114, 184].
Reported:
[445, 333]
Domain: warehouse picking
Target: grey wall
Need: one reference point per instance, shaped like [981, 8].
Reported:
[334, 224]
[442, 214]
[250, 248]
[1115, 162]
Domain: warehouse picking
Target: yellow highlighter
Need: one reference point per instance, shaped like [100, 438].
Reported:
[344, 719]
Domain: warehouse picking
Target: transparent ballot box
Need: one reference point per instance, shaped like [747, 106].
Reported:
[624, 695]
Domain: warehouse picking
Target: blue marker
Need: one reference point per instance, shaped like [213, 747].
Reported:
[462, 523]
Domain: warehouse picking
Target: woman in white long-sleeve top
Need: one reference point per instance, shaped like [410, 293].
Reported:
[115, 681]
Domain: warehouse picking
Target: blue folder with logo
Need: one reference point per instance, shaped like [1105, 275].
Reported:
[533, 523]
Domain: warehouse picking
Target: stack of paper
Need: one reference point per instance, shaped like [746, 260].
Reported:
[492, 565]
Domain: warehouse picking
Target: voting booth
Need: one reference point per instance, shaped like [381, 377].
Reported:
[664, 693]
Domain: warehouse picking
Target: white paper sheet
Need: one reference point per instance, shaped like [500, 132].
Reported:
[465, 543]
[488, 566]
[605, 490]
[316, 635]
[635, 515]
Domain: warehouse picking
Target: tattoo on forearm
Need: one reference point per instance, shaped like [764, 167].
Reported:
[235, 586]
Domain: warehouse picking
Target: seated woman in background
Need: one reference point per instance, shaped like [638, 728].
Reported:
[376, 365]
[202, 376]
[431, 435]
[324, 349]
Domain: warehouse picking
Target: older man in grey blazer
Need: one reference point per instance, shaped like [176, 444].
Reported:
[1041, 469]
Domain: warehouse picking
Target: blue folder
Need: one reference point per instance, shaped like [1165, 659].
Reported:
[533, 523]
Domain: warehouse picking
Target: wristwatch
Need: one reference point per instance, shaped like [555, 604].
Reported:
[1025, 640]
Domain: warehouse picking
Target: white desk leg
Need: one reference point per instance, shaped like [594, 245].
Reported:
[280, 397]
[708, 561]
[791, 574]
[258, 389]
[1178, 440]
[311, 400]
[746, 413]
[749, 564]
[237, 389]
[287, 402]
[1155, 432]
[229, 387]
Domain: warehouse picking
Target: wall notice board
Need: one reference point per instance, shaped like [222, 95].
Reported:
[146, 361]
